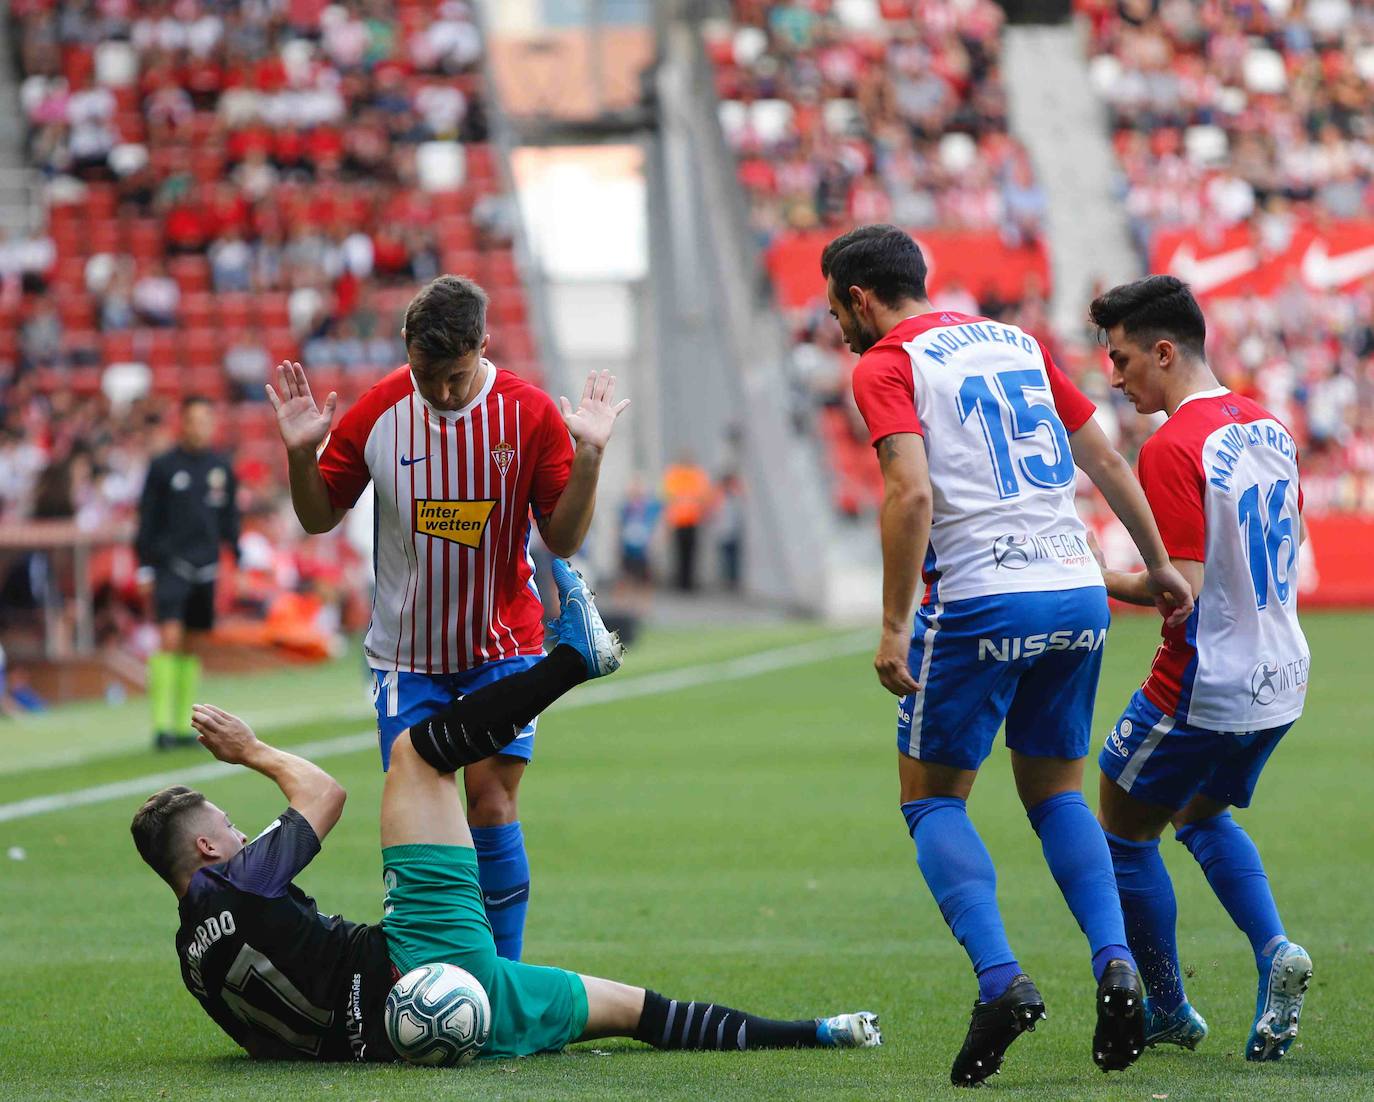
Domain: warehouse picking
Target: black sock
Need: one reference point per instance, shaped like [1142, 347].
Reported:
[517, 699]
[670, 1024]
[488, 719]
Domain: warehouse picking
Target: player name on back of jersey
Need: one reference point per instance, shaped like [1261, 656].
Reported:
[944, 342]
[1224, 449]
[206, 933]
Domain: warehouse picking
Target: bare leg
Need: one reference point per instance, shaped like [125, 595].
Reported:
[1037, 779]
[1123, 815]
[613, 1009]
[923, 780]
[419, 806]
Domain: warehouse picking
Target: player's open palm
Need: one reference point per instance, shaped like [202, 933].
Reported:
[591, 422]
[223, 734]
[301, 422]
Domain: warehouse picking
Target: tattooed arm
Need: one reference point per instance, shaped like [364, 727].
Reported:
[905, 524]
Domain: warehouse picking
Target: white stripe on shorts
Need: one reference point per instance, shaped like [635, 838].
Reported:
[918, 705]
[1143, 752]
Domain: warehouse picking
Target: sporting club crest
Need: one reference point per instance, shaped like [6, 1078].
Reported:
[503, 453]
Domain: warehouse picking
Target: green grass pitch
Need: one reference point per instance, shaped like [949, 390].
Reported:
[738, 841]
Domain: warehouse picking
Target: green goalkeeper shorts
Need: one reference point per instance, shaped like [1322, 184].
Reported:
[433, 914]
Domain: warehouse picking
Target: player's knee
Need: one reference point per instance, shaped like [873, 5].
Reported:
[491, 803]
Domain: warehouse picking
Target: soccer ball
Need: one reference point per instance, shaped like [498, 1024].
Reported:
[438, 1014]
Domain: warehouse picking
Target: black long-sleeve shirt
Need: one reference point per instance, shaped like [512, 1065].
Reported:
[188, 510]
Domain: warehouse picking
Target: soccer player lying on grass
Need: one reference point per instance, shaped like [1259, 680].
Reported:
[287, 982]
[1221, 475]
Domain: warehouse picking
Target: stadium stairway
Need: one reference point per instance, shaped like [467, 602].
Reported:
[1054, 111]
[17, 206]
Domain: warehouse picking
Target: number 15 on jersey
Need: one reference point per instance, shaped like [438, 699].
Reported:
[978, 398]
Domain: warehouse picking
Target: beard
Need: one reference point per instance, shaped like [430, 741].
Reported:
[864, 338]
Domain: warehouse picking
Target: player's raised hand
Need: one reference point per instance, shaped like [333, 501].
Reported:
[1173, 595]
[591, 422]
[300, 421]
[893, 663]
[224, 735]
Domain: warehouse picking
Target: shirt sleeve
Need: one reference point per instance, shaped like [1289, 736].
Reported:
[1172, 480]
[268, 864]
[342, 464]
[885, 393]
[1074, 407]
[553, 464]
[149, 515]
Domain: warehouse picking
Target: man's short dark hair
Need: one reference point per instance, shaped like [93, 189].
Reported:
[1158, 307]
[447, 319]
[194, 400]
[879, 258]
[160, 829]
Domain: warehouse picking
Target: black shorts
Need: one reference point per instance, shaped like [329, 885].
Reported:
[176, 598]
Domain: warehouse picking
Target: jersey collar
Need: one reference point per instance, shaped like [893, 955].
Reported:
[454, 414]
[1215, 392]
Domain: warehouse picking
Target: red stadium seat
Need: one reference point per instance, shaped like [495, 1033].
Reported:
[499, 270]
[117, 347]
[207, 381]
[77, 311]
[202, 348]
[99, 202]
[466, 262]
[192, 273]
[198, 310]
[236, 311]
[167, 379]
[101, 236]
[272, 310]
[508, 309]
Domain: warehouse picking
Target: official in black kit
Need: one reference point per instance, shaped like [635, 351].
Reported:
[187, 513]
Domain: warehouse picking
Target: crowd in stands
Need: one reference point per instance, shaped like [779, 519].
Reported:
[1261, 115]
[1225, 112]
[1230, 110]
[892, 111]
[225, 186]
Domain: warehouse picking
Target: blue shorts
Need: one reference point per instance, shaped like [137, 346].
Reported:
[1163, 762]
[404, 699]
[1031, 659]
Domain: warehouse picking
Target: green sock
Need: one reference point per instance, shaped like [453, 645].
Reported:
[162, 671]
[186, 685]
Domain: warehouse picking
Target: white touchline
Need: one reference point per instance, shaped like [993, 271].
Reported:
[651, 684]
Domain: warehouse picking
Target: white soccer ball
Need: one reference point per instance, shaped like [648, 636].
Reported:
[438, 1014]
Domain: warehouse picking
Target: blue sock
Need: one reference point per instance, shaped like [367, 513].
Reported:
[1076, 852]
[959, 873]
[1151, 914]
[1233, 867]
[503, 870]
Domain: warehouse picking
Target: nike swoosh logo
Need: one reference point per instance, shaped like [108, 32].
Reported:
[411, 462]
[494, 901]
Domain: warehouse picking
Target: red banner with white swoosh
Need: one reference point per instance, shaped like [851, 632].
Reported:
[1333, 256]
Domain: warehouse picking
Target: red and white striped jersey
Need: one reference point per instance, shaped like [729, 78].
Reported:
[454, 491]
[1221, 476]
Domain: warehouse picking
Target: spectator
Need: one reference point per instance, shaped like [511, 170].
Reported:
[728, 523]
[639, 515]
[686, 496]
[156, 298]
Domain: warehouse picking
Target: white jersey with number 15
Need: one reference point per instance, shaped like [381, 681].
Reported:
[996, 413]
